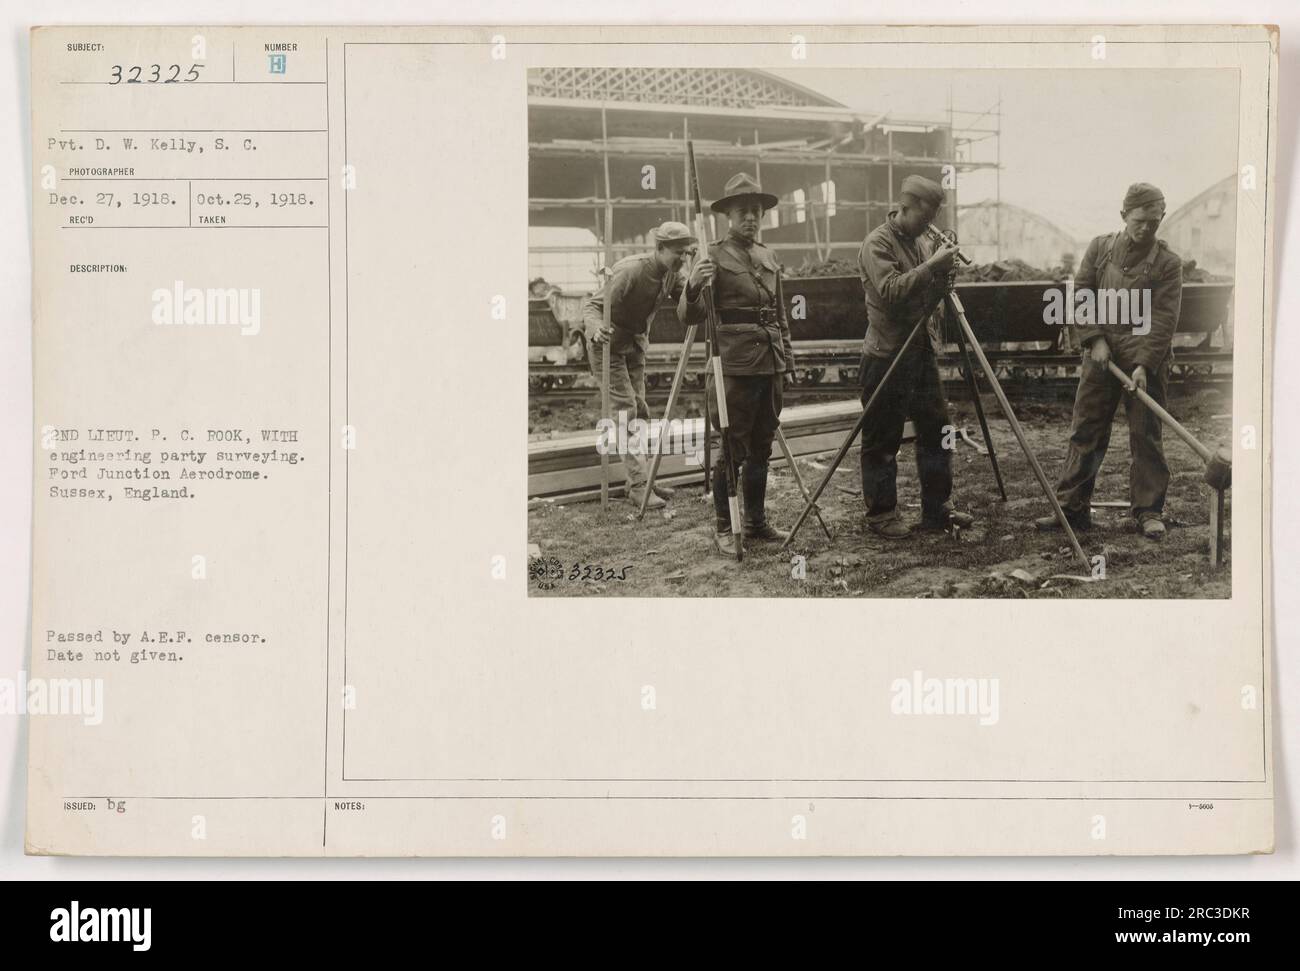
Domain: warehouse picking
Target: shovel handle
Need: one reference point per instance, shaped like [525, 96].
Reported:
[1131, 387]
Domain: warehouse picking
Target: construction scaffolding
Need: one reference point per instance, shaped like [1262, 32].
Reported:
[835, 170]
[968, 144]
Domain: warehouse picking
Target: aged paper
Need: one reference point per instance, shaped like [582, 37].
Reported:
[297, 592]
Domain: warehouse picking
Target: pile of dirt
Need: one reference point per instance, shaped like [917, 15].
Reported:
[1194, 274]
[811, 267]
[1011, 270]
[1007, 271]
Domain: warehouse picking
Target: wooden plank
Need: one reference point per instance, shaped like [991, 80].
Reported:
[792, 419]
[582, 483]
[583, 457]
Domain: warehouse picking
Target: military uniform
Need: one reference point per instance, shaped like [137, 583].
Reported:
[753, 341]
[1115, 262]
[900, 289]
[638, 286]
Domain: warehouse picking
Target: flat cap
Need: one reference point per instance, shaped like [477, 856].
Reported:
[1142, 194]
[927, 190]
[672, 232]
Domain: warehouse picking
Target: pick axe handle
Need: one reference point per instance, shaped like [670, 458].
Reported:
[1132, 388]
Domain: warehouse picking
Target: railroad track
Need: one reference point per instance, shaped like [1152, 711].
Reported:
[832, 376]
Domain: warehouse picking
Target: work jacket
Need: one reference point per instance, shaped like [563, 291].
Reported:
[899, 289]
[753, 330]
[637, 287]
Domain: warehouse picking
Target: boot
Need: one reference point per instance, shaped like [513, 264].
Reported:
[889, 525]
[1152, 525]
[755, 487]
[947, 519]
[764, 532]
[1079, 522]
[635, 492]
[725, 539]
[721, 507]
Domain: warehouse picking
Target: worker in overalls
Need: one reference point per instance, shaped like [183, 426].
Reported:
[1131, 260]
[636, 288]
[754, 344]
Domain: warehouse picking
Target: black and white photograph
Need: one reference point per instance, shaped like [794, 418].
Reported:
[856, 333]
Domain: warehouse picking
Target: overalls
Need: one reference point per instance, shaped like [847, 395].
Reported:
[1098, 398]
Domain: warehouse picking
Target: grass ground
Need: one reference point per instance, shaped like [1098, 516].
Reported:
[671, 552]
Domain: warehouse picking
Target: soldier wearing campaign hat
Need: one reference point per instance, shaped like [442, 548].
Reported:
[636, 288]
[754, 345]
[1134, 261]
[905, 277]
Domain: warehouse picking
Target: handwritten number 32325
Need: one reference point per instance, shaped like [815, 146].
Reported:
[153, 74]
[582, 571]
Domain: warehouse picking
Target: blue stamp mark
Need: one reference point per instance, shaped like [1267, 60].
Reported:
[279, 62]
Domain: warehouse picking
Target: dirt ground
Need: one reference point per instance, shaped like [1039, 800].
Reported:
[551, 417]
[671, 552]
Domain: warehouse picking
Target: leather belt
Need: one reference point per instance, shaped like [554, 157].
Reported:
[741, 315]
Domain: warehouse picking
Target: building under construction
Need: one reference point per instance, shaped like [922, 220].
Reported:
[617, 136]
[612, 142]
